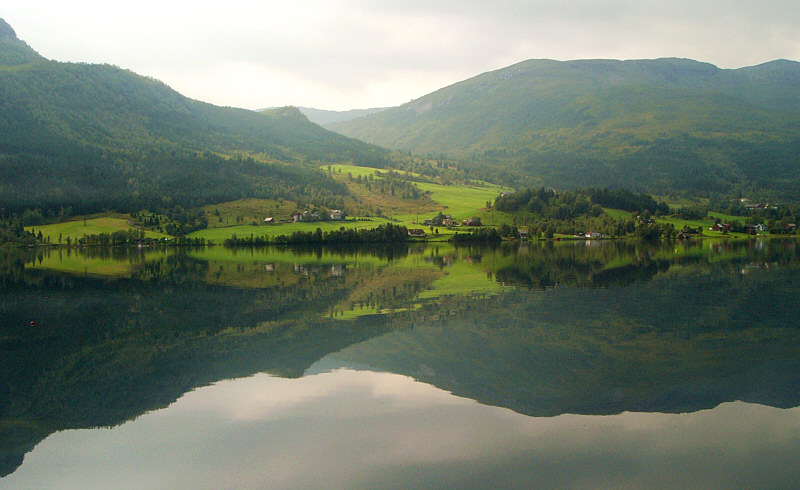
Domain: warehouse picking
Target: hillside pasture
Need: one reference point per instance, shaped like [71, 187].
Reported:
[218, 235]
[246, 211]
[83, 227]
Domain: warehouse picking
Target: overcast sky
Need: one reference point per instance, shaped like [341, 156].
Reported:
[347, 54]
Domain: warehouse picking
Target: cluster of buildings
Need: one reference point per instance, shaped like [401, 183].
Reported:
[333, 214]
[447, 220]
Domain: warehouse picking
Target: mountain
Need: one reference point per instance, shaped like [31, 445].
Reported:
[323, 117]
[662, 125]
[96, 136]
[13, 51]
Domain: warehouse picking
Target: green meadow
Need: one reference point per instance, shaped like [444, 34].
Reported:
[91, 226]
[218, 235]
[459, 200]
[236, 213]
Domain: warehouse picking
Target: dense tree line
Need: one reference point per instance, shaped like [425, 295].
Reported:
[12, 231]
[161, 182]
[626, 200]
[387, 233]
[480, 235]
[548, 203]
[680, 167]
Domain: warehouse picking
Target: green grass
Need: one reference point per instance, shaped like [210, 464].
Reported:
[725, 218]
[617, 213]
[80, 228]
[461, 201]
[218, 235]
[245, 211]
[705, 224]
[354, 170]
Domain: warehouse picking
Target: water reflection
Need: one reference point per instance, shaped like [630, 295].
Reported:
[95, 338]
[349, 429]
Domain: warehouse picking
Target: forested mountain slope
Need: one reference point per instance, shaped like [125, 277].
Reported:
[97, 136]
[661, 125]
[323, 117]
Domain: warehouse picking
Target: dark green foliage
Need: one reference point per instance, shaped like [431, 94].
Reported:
[547, 212]
[480, 235]
[12, 231]
[693, 212]
[387, 233]
[98, 137]
[626, 200]
[14, 52]
[547, 203]
[667, 126]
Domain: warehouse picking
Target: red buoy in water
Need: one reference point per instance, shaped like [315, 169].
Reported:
[32, 323]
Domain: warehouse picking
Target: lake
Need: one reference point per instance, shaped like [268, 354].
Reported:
[574, 364]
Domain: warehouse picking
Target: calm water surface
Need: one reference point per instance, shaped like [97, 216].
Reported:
[568, 365]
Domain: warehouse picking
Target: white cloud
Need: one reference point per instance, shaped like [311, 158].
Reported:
[343, 54]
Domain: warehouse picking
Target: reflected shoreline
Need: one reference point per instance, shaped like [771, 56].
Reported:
[542, 330]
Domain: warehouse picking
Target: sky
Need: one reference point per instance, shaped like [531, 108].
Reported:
[353, 54]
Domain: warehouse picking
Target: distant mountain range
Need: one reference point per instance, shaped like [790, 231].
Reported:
[666, 125]
[323, 117]
[98, 137]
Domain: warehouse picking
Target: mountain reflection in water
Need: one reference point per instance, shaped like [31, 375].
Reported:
[543, 330]
[348, 429]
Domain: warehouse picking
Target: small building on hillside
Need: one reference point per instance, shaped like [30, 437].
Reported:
[416, 233]
[473, 222]
[297, 217]
[721, 227]
[269, 221]
[337, 214]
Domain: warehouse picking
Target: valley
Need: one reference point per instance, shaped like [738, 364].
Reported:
[88, 151]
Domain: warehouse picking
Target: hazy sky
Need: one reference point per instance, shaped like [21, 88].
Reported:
[345, 54]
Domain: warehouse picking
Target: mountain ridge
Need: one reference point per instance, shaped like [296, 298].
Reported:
[6, 31]
[96, 137]
[543, 121]
[13, 51]
[324, 117]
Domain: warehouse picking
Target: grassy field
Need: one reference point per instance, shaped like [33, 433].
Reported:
[81, 228]
[218, 235]
[354, 170]
[246, 211]
[461, 201]
[617, 213]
